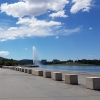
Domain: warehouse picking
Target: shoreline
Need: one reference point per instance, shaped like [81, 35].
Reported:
[71, 64]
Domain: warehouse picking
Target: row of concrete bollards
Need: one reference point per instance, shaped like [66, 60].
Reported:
[91, 82]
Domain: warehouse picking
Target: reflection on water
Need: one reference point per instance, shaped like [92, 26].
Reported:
[73, 68]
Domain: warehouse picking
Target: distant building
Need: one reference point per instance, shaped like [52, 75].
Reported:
[56, 61]
[43, 61]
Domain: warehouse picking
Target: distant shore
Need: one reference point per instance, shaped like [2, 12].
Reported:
[72, 64]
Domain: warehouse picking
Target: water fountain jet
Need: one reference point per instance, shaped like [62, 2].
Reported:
[35, 57]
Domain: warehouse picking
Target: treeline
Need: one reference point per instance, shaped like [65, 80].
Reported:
[11, 62]
[83, 61]
[56, 62]
[25, 62]
[8, 62]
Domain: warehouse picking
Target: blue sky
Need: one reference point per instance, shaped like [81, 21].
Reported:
[58, 29]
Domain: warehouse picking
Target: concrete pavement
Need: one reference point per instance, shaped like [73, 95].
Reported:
[15, 85]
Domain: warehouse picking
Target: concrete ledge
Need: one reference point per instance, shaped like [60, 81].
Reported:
[11, 67]
[93, 83]
[37, 72]
[57, 76]
[47, 74]
[71, 79]
[29, 71]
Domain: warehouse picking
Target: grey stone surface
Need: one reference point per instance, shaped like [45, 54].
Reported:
[22, 86]
[93, 83]
[47, 74]
[57, 76]
[71, 79]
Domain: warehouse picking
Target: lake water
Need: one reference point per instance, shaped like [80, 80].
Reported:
[73, 68]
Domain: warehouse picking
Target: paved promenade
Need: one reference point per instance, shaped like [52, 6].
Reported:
[15, 85]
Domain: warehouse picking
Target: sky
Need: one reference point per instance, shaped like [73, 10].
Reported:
[58, 29]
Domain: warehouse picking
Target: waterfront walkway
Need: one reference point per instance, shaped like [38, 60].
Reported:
[15, 85]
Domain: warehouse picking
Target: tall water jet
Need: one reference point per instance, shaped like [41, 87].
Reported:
[35, 56]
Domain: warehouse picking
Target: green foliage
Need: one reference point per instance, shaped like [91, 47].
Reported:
[77, 62]
[8, 62]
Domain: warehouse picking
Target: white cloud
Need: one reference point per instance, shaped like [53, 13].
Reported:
[90, 28]
[1, 29]
[30, 27]
[33, 22]
[59, 14]
[83, 5]
[70, 31]
[12, 29]
[24, 31]
[26, 48]
[32, 7]
[34, 31]
[4, 53]
[57, 37]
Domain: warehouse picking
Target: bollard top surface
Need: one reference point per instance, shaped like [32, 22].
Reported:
[56, 72]
[92, 77]
[70, 74]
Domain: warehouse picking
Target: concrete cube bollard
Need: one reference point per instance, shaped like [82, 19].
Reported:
[37, 72]
[14, 68]
[29, 71]
[57, 76]
[71, 79]
[32, 72]
[25, 70]
[17, 68]
[47, 74]
[93, 83]
[22, 69]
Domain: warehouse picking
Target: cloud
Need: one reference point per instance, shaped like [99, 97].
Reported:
[26, 48]
[1, 29]
[90, 28]
[70, 31]
[58, 14]
[33, 22]
[29, 27]
[57, 37]
[4, 53]
[83, 5]
[12, 29]
[32, 7]
[24, 31]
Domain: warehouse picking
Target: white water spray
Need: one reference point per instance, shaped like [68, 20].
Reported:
[35, 56]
